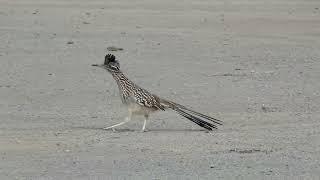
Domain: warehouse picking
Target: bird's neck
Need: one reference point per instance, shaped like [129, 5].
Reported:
[122, 81]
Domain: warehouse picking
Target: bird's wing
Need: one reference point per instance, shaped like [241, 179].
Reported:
[144, 98]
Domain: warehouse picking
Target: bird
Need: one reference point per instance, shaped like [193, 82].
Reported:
[139, 101]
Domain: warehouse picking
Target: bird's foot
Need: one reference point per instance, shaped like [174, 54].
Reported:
[144, 130]
[108, 128]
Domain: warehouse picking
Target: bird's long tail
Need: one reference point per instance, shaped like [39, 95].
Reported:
[196, 117]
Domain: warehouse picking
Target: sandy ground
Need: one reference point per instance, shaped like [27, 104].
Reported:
[253, 64]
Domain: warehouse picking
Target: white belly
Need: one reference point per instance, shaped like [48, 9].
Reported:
[139, 110]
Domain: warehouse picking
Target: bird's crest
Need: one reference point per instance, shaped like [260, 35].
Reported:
[109, 58]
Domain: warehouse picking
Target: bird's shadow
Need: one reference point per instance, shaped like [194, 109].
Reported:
[135, 130]
[177, 130]
[101, 129]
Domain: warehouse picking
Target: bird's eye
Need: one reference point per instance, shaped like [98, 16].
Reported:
[113, 66]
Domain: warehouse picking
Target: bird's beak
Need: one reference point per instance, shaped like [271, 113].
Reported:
[99, 65]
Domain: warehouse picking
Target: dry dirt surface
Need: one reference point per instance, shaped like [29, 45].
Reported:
[253, 64]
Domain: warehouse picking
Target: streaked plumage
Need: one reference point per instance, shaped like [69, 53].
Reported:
[140, 101]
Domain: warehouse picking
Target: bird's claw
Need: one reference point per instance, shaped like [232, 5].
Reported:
[108, 128]
[144, 130]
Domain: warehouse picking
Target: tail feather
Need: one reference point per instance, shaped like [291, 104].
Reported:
[193, 116]
[197, 120]
[202, 115]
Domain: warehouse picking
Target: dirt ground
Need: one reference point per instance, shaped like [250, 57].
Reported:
[253, 64]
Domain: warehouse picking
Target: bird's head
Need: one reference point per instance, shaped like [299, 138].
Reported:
[110, 63]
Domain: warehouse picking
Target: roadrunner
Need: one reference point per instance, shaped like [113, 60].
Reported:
[141, 102]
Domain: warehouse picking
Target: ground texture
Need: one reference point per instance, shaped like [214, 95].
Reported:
[253, 64]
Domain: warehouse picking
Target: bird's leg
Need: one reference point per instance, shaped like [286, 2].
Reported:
[146, 116]
[127, 119]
